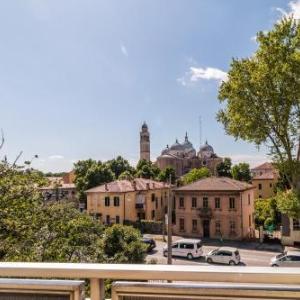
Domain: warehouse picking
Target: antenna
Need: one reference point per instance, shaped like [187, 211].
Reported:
[200, 130]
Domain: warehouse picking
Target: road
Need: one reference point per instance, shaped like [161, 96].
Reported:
[249, 257]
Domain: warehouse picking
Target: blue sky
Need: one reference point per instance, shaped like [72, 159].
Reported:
[78, 78]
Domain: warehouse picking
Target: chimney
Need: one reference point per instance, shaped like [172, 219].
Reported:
[148, 186]
[106, 187]
[134, 184]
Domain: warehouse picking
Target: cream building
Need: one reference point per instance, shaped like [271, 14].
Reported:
[215, 207]
[124, 200]
[264, 179]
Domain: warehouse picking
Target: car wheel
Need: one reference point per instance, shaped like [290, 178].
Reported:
[232, 263]
[165, 253]
[190, 256]
[209, 260]
[274, 265]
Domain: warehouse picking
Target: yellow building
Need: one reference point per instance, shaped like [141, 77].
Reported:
[124, 200]
[264, 180]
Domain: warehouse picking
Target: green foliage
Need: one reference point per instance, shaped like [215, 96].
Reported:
[241, 172]
[266, 212]
[123, 244]
[288, 203]
[166, 174]
[119, 166]
[126, 175]
[224, 168]
[262, 96]
[146, 169]
[90, 173]
[196, 174]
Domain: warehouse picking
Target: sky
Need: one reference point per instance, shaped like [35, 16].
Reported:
[78, 78]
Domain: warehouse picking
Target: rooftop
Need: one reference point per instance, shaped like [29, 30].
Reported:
[123, 186]
[216, 184]
[264, 166]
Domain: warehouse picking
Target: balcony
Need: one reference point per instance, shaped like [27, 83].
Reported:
[205, 212]
[96, 273]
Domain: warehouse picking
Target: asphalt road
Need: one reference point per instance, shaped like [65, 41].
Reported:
[249, 257]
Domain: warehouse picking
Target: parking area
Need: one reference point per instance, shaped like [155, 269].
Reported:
[250, 255]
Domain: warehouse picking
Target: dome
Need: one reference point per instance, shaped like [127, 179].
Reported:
[177, 146]
[207, 148]
[187, 144]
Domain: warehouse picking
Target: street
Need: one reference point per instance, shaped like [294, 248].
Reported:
[249, 256]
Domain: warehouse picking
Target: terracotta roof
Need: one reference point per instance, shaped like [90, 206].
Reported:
[216, 184]
[122, 186]
[264, 166]
[268, 175]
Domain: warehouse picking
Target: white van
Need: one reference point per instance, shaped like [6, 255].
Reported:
[286, 259]
[188, 248]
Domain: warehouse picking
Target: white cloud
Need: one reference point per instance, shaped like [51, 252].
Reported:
[55, 157]
[196, 74]
[124, 49]
[294, 10]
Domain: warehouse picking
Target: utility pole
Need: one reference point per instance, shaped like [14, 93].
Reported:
[170, 225]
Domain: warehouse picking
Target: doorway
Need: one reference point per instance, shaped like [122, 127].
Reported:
[206, 232]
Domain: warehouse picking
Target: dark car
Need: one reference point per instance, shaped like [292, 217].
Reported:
[150, 243]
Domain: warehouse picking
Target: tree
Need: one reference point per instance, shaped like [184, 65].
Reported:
[126, 175]
[123, 244]
[196, 174]
[261, 95]
[120, 165]
[241, 172]
[166, 174]
[146, 169]
[224, 168]
[266, 212]
[90, 173]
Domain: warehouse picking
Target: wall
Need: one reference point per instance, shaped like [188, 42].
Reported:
[267, 190]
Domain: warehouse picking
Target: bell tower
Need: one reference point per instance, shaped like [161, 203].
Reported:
[145, 143]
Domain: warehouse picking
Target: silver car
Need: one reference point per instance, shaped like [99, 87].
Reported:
[286, 259]
[224, 255]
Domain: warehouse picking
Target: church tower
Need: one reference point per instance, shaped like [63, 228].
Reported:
[145, 143]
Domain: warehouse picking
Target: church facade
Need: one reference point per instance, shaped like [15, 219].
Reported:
[181, 156]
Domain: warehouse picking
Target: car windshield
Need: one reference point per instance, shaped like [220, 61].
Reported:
[281, 255]
[236, 253]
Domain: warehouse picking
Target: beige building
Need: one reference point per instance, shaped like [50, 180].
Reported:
[215, 207]
[264, 179]
[124, 200]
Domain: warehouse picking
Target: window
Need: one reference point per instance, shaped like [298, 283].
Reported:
[260, 196]
[181, 224]
[153, 214]
[161, 201]
[181, 202]
[194, 202]
[259, 186]
[156, 203]
[186, 246]
[107, 200]
[249, 220]
[194, 225]
[249, 200]
[232, 227]
[117, 219]
[296, 224]
[271, 184]
[205, 202]
[107, 219]
[231, 203]
[116, 201]
[152, 197]
[217, 203]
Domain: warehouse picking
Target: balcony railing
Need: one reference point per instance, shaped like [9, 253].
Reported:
[98, 272]
[139, 206]
[205, 212]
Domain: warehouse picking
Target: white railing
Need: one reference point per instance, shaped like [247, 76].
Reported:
[98, 272]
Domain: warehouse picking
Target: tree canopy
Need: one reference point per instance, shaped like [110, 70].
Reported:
[224, 168]
[241, 172]
[167, 174]
[120, 165]
[261, 97]
[196, 174]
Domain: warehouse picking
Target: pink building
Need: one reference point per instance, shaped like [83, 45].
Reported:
[215, 207]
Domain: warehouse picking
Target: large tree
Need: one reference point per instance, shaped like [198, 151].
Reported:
[120, 165]
[196, 174]
[224, 168]
[262, 97]
[146, 169]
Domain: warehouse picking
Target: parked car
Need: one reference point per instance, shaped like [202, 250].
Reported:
[224, 255]
[286, 259]
[189, 248]
[150, 243]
